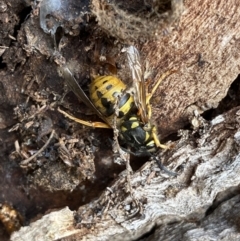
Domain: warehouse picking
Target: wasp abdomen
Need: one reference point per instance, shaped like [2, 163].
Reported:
[103, 93]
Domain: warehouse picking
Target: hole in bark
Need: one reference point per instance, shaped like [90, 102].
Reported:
[23, 15]
[58, 35]
[140, 6]
[172, 137]
[231, 100]
[2, 65]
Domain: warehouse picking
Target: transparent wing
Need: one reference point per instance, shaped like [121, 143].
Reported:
[78, 91]
[138, 82]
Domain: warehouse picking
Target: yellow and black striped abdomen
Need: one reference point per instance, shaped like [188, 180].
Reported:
[103, 92]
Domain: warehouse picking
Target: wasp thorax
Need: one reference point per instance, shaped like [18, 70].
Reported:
[133, 133]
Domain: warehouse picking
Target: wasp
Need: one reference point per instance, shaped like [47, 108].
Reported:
[137, 134]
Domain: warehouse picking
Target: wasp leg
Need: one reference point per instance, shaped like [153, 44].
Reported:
[86, 123]
[149, 109]
[160, 165]
[157, 142]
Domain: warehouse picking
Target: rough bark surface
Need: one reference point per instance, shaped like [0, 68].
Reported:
[201, 203]
[205, 50]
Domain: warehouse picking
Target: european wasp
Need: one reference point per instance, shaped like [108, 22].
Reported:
[137, 135]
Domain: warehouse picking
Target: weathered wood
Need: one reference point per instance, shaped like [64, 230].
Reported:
[176, 207]
[202, 45]
[205, 51]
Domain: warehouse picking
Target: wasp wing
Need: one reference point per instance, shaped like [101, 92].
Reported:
[138, 82]
[78, 91]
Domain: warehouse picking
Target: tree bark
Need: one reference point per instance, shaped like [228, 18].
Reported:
[202, 45]
[202, 202]
[204, 50]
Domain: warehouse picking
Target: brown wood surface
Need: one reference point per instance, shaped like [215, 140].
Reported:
[202, 202]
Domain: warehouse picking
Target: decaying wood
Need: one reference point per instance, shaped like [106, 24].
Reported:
[202, 46]
[201, 203]
[205, 50]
